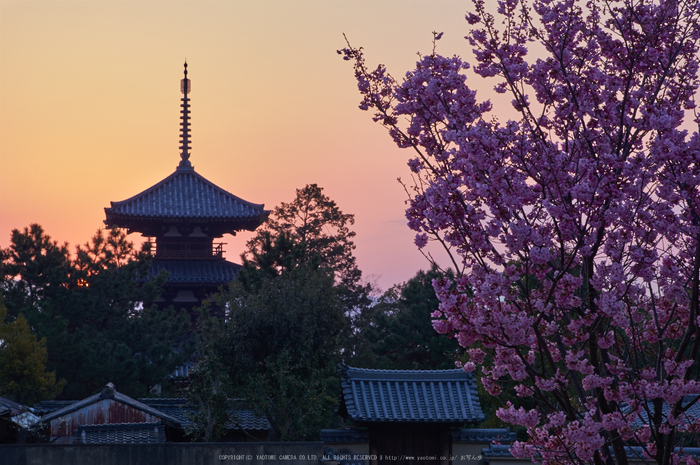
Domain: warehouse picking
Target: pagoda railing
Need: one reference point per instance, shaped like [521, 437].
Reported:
[186, 250]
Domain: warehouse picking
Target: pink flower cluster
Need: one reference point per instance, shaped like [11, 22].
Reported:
[575, 228]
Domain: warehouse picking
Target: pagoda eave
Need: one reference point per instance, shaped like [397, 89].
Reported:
[195, 273]
[153, 226]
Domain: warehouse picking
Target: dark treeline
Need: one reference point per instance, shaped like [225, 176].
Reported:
[298, 309]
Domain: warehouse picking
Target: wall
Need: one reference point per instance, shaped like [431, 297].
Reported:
[469, 453]
[269, 453]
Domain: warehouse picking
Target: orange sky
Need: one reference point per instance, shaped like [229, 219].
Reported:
[89, 108]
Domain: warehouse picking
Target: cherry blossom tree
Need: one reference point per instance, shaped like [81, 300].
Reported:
[575, 227]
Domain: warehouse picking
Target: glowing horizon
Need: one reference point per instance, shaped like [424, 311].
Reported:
[90, 101]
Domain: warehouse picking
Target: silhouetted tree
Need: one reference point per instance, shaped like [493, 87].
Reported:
[280, 347]
[401, 334]
[94, 311]
[23, 375]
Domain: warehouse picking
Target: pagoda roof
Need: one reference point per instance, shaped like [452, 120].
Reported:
[185, 195]
[410, 396]
[187, 271]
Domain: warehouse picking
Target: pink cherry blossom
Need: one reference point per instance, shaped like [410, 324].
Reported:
[574, 227]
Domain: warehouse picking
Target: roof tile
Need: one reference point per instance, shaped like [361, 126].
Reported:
[241, 417]
[196, 271]
[121, 433]
[185, 194]
[444, 396]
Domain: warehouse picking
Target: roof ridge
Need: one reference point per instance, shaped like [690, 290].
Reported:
[450, 370]
[186, 194]
[116, 396]
[142, 424]
[185, 172]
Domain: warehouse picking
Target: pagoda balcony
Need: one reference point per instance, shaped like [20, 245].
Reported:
[187, 250]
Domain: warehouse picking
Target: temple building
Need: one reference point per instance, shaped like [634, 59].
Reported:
[182, 216]
[412, 417]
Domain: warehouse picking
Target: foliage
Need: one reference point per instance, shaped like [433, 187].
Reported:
[269, 256]
[37, 275]
[400, 335]
[311, 230]
[23, 375]
[280, 345]
[575, 227]
[94, 311]
[300, 288]
[310, 227]
[208, 387]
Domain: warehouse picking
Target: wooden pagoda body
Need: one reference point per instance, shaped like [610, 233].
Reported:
[182, 216]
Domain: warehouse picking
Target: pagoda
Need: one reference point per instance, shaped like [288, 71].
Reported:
[182, 215]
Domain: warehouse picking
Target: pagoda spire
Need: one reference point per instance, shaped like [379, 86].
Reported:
[185, 88]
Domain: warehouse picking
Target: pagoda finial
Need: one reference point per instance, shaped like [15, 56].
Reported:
[185, 88]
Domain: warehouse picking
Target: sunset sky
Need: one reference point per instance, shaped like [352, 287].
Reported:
[89, 108]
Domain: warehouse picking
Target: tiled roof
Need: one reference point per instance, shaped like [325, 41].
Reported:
[26, 419]
[13, 406]
[484, 435]
[121, 433]
[109, 393]
[48, 406]
[497, 450]
[176, 408]
[637, 452]
[242, 418]
[185, 194]
[246, 419]
[694, 410]
[18, 414]
[691, 414]
[196, 271]
[439, 396]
